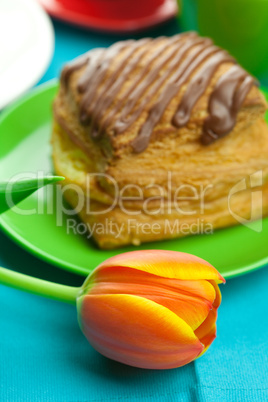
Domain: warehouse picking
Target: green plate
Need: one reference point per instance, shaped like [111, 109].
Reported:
[24, 148]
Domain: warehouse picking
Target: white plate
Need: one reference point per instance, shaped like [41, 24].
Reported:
[26, 47]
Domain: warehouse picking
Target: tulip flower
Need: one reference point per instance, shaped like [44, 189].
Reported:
[151, 309]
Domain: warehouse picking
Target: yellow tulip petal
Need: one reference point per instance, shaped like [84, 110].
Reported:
[137, 331]
[165, 263]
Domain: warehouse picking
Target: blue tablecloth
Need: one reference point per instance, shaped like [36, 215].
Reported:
[44, 356]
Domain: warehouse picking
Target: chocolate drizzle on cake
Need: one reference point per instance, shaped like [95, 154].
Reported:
[174, 62]
[225, 102]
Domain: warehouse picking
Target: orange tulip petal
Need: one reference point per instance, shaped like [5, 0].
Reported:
[165, 263]
[190, 300]
[117, 275]
[217, 300]
[137, 331]
[205, 328]
[208, 339]
[201, 288]
[193, 310]
[193, 313]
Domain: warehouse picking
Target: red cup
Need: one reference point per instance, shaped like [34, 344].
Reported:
[120, 9]
[112, 15]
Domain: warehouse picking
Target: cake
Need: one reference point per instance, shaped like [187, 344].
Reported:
[154, 138]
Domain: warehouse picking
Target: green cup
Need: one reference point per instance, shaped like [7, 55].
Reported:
[240, 26]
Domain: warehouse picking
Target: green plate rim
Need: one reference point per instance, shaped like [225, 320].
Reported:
[39, 253]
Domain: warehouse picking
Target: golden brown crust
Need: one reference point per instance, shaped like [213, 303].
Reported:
[205, 210]
[174, 159]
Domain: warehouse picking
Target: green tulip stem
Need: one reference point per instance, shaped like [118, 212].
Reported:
[38, 286]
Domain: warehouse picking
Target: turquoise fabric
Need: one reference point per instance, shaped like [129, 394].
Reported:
[44, 356]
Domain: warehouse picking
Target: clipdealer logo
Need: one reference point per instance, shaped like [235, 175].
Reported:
[176, 227]
[256, 213]
[187, 200]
